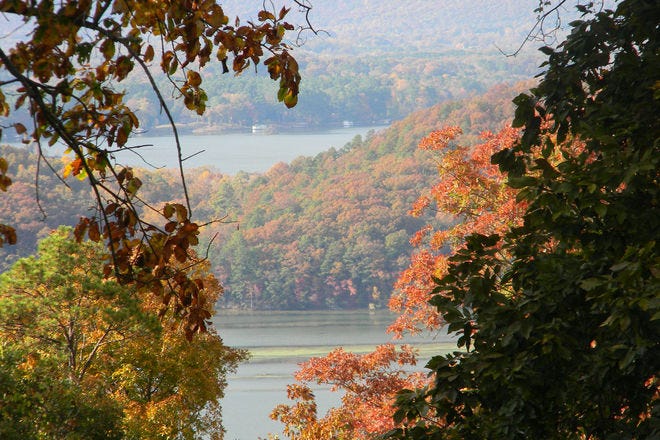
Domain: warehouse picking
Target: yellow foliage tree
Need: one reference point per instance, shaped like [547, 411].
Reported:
[67, 327]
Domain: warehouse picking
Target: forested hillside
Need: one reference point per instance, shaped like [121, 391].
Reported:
[333, 230]
[322, 232]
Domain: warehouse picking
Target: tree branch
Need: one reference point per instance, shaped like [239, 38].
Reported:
[136, 57]
[537, 29]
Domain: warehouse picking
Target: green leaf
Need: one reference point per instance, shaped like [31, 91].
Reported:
[590, 284]
[522, 182]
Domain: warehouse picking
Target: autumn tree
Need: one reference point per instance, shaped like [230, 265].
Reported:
[67, 73]
[368, 383]
[84, 356]
[469, 196]
[557, 317]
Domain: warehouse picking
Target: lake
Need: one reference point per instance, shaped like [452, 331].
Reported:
[234, 152]
[229, 153]
[278, 341]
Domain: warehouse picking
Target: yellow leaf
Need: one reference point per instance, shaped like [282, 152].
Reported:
[290, 99]
[194, 78]
[67, 170]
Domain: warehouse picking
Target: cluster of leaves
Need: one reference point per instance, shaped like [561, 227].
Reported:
[71, 93]
[369, 384]
[558, 316]
[84, 357]
[474, 194]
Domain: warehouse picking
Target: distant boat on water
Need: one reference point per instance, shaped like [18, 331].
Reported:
[262, 128]
[347, 124]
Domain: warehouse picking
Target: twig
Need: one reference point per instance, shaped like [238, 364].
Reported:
[534, 32]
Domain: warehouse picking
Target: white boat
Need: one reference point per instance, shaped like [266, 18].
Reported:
[260, 128]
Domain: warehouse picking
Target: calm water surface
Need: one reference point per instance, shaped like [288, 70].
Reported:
[229, 153]
[279, 341]
[233, 152]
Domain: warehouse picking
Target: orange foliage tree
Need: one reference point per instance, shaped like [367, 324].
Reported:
[471, 192]
[368, 382]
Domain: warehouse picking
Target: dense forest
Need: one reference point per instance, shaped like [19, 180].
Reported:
[329, 231]
[333, 230]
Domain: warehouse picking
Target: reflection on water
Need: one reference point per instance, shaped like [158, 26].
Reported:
[279, 341]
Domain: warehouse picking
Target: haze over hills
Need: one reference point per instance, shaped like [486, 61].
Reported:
[361, 27]
[373, 62]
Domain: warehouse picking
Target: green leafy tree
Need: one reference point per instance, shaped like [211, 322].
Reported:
[558, 318]
[85, 357]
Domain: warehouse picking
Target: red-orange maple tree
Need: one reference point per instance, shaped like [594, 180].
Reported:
[472, 195]
[368, 382]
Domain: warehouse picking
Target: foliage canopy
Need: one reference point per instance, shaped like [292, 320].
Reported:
[84, 357]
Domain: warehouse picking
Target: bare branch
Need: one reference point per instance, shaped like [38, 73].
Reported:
[305, 6]
[537, 32]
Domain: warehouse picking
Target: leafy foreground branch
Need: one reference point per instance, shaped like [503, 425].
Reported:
[70, 89]
[561, 336]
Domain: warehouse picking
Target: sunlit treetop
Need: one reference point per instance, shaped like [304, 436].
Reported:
[67, 72]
